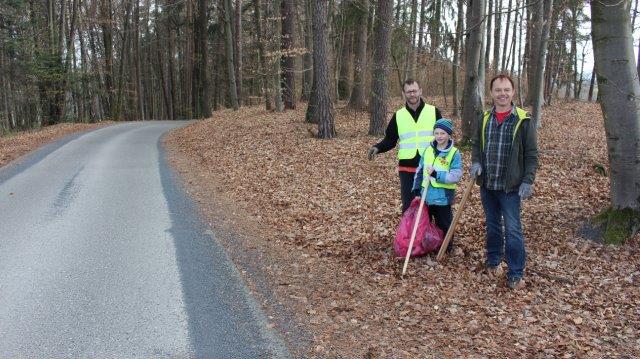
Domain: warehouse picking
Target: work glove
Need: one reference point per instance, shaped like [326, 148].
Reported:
[372, 152]
[476, 169]
[525, 190]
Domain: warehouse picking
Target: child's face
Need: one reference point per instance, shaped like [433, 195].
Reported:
[442, 137]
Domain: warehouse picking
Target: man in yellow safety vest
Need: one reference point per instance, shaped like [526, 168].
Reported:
[411, 127]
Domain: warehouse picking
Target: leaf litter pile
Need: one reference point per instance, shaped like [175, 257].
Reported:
[15, 145]
[322, 220]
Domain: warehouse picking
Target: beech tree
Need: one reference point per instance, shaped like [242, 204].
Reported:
[620, 101]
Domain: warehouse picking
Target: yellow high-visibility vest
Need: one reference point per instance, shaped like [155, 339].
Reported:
[414, 136]
[522, 115]
[439, 163]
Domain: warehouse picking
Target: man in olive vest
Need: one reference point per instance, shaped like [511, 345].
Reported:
[505, 159]
[411, 127]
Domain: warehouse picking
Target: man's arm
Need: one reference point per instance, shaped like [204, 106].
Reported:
[438, 114]
[390, 137]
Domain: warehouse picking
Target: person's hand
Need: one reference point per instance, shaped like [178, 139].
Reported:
[429, 170]
[416, 193]
[476, 169]
[372, 152]
[525, 191]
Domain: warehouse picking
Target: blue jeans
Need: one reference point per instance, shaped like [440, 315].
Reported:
[499, 205]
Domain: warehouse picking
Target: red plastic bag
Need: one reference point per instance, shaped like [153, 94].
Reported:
[428, 236]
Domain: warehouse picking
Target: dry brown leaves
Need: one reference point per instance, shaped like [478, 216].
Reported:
[330, 218]
[15, 145]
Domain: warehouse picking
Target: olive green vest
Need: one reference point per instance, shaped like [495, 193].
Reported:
[522, 115]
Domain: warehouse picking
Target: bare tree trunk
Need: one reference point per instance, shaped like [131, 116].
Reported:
[592, 84]
[413, 52]
[421, 36]
[488, 37]
[496, 37]
[201, 105]
[233, 92]
[535, 29]
[345, 66]
[619, 98]
[276, 71]
[456, 58]
[380, 69]
[323, 111]
[541, 60]
[307, 58]
[358, 100]
[107, 23]
[140, 110]
[473, 89]
[123, 51]
[266, 88]
[288, 58]
[506, 36]
[237, 56]
[514, 40]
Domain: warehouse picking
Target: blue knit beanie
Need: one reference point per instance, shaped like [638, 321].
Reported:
[444, 124]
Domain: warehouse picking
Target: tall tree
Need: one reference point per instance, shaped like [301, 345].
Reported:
[238, 48]
[264, 79]
[496, 36]
[307, 58]
[538, 89]
[489, 19]
[233, 93]
[472, 108]
[506, 36]
[201, 105]
[380, 69]
[456, 57]
[358, 100]
[276, 70]
[620, 101]
[323, 111]
[288, 63]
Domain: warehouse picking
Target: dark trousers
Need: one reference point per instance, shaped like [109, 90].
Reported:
[443, 216]
[406, 183]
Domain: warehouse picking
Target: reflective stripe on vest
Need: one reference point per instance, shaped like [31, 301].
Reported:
[414, 136]
[439, 163]
[522, 115]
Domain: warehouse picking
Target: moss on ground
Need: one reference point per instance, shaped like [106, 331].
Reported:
[618, 224]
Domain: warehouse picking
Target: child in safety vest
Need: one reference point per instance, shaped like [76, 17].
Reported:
[440, 169]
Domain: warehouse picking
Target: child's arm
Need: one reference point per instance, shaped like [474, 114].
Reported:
[417, 179]
[455, 171]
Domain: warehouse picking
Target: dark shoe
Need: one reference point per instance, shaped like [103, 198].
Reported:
[515, 283]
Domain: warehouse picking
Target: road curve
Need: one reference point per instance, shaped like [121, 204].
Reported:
[102, 255]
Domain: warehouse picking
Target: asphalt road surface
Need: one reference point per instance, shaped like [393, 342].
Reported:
[102, 255]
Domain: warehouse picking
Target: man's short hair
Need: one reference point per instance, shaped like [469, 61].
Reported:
[501, 77]
[410, 82]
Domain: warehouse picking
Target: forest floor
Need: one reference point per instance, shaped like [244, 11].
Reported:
[310, 223]
[16, 144]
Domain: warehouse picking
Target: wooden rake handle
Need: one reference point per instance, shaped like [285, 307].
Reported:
[415, 230]
[456, 218]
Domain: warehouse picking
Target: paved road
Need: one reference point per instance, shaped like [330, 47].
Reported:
[102, 256]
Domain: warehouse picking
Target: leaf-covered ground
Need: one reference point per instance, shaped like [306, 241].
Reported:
[320, 219]
[17, 144]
